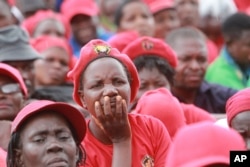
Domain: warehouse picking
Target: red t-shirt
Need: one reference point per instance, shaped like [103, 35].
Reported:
[2, 158]
[195, 114]
[149, 138]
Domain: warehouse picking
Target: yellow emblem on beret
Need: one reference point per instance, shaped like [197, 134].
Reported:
[102, 49]
[147, 45]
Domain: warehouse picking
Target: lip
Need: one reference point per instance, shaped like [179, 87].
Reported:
[57, 162]
[4, 105]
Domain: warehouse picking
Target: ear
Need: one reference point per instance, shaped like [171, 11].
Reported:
[82, 98]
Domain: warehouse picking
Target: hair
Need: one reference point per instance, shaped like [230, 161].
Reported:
[15, 144]
[62, 93]
[234, 26]
[221, 9]
[119, 11]
[103, 55]
[185, 33]
[154, 61]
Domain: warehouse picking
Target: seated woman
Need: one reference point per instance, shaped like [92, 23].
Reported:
[52, 69]
[47, 133]
[105, 82]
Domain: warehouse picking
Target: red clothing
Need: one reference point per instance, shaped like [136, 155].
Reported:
[195, 114]
[242, 5]
[149, 138]
[2, 158]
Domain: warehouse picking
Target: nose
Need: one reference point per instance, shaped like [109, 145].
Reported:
[54, 146]
[194, 65]
[110, 90]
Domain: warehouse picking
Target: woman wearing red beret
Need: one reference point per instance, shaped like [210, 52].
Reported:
[105, 82]
[238, 114]
[155, 62]
[57, 56]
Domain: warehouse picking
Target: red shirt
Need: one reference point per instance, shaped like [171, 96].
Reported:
[149, 138]
[2, 158]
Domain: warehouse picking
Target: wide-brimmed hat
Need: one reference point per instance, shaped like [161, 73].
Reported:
[14, 45]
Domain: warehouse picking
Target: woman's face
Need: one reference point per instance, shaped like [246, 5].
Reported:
[50, 27]
[241, 123]
[151, 79]
[104, 77]
[165, 21]
[53, 68]
[11, 102]
[46, 140]
[136, 16]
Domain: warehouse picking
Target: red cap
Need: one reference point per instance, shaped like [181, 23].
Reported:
[12, 72]
[31, 23]
[237, 103]
[160, 103]
[74, 116]
[70, 8]
[151, 46]
[45, 42]
[91, 51]
[158, 5]
[121, 39]
[202, 144]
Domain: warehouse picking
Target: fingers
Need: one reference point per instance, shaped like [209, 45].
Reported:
[118, 113]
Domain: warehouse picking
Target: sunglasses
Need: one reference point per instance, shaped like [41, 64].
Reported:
[10, 88]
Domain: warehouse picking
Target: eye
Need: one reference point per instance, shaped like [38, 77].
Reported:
[119, 81]
[97, 85]
[39, 139]
[64, 136]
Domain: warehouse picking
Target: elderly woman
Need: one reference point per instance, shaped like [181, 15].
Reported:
[105, 82]
[47, 133]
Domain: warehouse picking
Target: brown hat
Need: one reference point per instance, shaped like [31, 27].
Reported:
[15, 46]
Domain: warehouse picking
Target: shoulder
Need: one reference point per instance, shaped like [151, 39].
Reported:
[219, 89]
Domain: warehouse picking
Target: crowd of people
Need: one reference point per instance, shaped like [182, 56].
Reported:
[101, 83]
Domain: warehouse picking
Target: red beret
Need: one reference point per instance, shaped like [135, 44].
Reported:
[203, 144]
[70, 8]
[91, 51]
[31, 23]
[121, 39]
[151, 46]
[13, 73]
[237, 103]
[158, 5]
[45, 42]
[160, 103]
[71, 114]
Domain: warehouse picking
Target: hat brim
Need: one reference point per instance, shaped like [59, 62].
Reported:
[70, 113]
[21, 53]
[13, 73]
